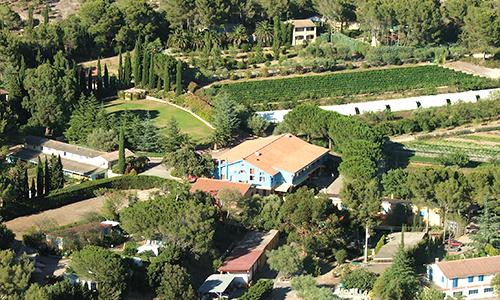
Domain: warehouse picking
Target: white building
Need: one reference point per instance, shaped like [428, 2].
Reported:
[303, 30]
[78, 162]
[468, 277]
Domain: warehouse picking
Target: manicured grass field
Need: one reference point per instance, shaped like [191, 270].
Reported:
[160, 114]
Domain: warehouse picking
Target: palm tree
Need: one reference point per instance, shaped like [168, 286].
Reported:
[178, 39]
[239, 35]
[196, 39]
[264, 31]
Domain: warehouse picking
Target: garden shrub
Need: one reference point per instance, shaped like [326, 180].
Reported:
[311, 266]
[380, 243]
[260, 291]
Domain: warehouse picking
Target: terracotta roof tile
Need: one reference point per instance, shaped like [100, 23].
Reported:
[470, 267]
[284, 152]
[303, 23]
[213, 186]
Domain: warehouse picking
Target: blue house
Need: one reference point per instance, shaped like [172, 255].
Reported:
[273, 164]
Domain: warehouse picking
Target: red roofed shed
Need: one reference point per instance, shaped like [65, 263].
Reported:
[250, 255]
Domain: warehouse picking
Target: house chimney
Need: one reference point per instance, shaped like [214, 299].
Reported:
[436, 260]
[288, 135]
[257, 153]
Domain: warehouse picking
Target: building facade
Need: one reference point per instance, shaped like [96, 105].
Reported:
[468, 277]
[273, 164]
[303, 30]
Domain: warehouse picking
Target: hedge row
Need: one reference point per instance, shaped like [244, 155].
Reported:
[262, 290]
[78, 193]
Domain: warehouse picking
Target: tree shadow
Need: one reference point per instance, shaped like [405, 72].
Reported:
[397, 156]
[153, 114]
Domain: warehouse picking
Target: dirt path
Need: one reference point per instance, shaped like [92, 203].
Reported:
[473, 69]
[63, 215]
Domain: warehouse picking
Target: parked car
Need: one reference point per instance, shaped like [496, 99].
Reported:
[454, 243]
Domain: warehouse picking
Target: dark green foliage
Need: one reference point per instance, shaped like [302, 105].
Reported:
[16, 273]
[6, 236]
[83, 81]
[260, 291]
[120, 67]
[225, 121]
[80, 192]
[170, 255]
[106, 269]
[166, 78]
[341, 255]
[353, 83]
[45, 14]
[56, 173]
[174, 139]
[311, 266]
[39, 178]
[20, 177]
[360, 278]
[33, 237]
[137, 63]
[87, 116]
[286, 260]
[145, 68]
[127, 71]
[178, 79]
[150, 139]
[186, 161]
[188, 219]
[456, 158]
[175, 283]
[302, 212]
[151, 80]
[121, 153]
[99, 75]
[30, 22]
[32, 188]
[106, 77]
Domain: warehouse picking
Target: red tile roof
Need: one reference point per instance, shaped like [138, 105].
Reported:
[283, 152]
[213, 186]
[240, 260]
[470, 267]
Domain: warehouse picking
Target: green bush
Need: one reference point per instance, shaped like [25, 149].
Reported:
[260, 291]
[380, 243]
[130, 248]
[311, 266]
[33, 237]
[76, 193]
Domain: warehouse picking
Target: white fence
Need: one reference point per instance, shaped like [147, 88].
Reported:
[394, 105]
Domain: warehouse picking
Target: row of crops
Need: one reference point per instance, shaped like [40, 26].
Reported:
[444, 146]
[350, 83]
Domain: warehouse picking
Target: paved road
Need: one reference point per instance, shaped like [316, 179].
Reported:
[156, 169]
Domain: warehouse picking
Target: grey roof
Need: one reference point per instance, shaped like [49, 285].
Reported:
[112, 156]
[68, 164]
[53, 144]
[216, 283]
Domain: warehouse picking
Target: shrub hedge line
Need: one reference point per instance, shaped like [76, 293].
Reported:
[78, 193]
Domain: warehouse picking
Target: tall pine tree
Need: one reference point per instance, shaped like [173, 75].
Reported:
[145, 68]
[120, 67]
[83, 81]
[89, 81]
[137, 63]
[99, 75]
[46, 172]
[121, 153]
[57, 176]
[166, 78]
[33, 188]
[39, 177]
[151, 80]
[178, 79]
[127, 71]
[106, 77]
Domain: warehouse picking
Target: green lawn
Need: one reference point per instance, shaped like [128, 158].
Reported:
[160, 113]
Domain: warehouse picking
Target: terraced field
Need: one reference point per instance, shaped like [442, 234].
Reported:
[478, 146]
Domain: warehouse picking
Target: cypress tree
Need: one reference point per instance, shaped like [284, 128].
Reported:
[121, 154]
[57, 176]
[83, 81]
[22, 70]
[178, 79]
[276, 38]
[106, 77]
[158, 83]
[166, 78]
[89, 80]
[39, 177]
[145, 68]
[127, 72]
[25, 188]
[33, 188]
[137, 63]
[38, 57]
[120, 67]
[46, 14]
[46, 173]
[151, 80]
[30, 22]
[99, 75]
